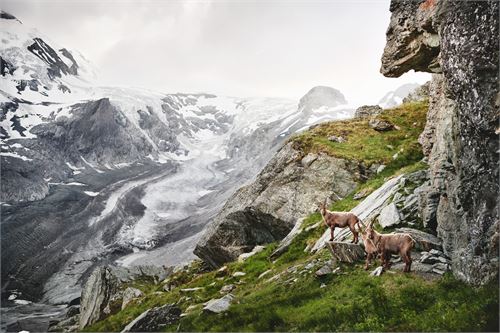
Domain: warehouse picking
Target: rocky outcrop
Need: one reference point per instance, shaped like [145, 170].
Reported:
[458, 40]
[105, 291]
[289, 187]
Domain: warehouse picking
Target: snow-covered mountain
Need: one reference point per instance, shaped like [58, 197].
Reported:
[395, 98]
[98, 174]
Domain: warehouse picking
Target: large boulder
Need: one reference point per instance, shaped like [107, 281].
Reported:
[155, 319]
[367, 111]
[346, 252]
[459, 139]
[288, 188]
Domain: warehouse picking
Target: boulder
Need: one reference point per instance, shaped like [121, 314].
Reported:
[380, 125]
[424, 241]
[219, 305]
[155, 319]
[377, 271]
[227, 288]
[338, 139]
[367, 111]
[129, 294]
[346, 252]
[324, 270]
[389, 216]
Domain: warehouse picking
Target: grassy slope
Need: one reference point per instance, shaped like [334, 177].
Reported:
[349, 301]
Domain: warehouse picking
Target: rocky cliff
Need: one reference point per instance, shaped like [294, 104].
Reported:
[289, 187]
[458, 41]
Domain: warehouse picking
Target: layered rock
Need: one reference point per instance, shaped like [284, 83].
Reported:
[459, 40]
[289, 187]
[105, 291]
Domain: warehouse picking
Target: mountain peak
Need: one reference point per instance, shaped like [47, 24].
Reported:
[321, 96]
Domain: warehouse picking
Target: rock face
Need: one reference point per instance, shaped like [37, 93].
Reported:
[103, 292]
[458, 40]
[289, 187]
[99, 291]
[321, 96]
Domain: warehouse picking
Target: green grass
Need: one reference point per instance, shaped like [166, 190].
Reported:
[366, 145]
[351, 300]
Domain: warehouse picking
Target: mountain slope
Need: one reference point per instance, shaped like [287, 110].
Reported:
[95, 174]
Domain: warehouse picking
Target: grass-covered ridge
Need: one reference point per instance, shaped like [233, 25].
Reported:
[289, 297]
[364, 143]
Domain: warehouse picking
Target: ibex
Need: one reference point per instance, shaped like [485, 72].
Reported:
[340, 220]
[387, 244]
[370, 249]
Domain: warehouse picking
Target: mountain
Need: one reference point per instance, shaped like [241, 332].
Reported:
[395, 97]
[93, 175]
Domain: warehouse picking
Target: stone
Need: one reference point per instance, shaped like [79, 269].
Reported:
[244, 256]
[346, 252]
[324, 270]
[366, 111]
[424, 241]
[377, 271]
[227, 288]
[219, 305]
[239, 274]
[155, 319]
[188, 290]
[338, 139]
[309, 265]
[285, 242]
[221, 271]
[129, 294]
[264, 274]
[380, 168]
[380, 125]
[389, 216]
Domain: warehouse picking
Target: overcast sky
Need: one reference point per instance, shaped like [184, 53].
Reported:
[236, 48]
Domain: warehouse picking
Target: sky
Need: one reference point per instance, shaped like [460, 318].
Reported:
[244, 48]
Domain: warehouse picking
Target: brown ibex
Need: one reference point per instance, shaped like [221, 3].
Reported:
[387, 244]
[370, 249]
[340, 220]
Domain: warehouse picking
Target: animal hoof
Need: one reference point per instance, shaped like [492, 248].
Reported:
[331, 239]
